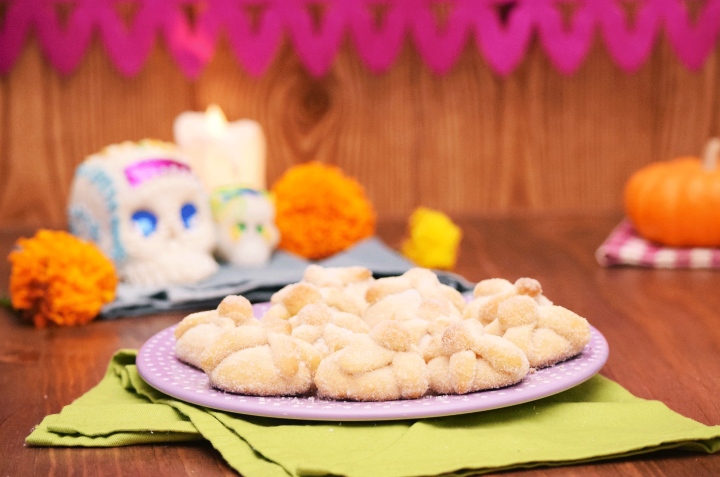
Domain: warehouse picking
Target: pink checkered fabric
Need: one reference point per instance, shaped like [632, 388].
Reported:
[624, 247]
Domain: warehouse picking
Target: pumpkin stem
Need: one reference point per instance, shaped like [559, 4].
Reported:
[711, 153]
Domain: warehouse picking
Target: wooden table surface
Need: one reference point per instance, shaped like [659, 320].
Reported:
[663, 328]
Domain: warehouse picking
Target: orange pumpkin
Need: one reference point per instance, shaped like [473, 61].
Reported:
[677, 202]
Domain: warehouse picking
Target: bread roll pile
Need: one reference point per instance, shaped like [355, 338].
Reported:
[341, 334]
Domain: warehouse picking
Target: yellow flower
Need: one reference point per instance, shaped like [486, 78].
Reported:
[320, 211]
[56, 277]
[433, 241]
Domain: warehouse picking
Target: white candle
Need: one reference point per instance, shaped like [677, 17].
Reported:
[222, 153]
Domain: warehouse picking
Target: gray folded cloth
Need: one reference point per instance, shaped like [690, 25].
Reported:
[259, 283]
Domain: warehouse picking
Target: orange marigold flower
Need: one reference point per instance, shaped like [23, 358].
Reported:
[57, 277]
[320, 211]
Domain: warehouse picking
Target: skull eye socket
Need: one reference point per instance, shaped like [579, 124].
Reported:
[145, 222]
[188, 212]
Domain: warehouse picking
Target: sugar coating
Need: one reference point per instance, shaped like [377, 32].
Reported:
[398, 306]
[548, 334]
[291, 299]
[422, 280]
[336, 277]
[342, 334]
[471, 360]
[199, 330]
[488, 294]
[380, 366]
[342, 288]
[327, 329]
[260, 362]
[194, 341]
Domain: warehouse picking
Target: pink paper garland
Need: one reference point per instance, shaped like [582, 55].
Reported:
[502, 42]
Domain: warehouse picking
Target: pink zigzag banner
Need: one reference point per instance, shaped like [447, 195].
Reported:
[501, 29]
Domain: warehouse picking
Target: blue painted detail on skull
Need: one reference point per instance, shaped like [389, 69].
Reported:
[188, 213]
[106, 188]
[145, 222]
[83, 225]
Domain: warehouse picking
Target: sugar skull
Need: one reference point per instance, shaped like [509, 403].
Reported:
[143, 206]
[245, 220]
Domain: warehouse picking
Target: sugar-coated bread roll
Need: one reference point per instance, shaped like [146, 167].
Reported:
[258, 362]
[336, 277]
[380, 366]
[471, 360]
[548, 334]
[291, 299]
[197, 331]
[488, 294]
[422, 280]
[327, 329]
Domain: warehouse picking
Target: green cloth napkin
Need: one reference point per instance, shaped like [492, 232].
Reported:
[595, 420]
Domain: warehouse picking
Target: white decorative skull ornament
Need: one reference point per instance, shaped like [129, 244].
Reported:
[148, 212]
[246, 229]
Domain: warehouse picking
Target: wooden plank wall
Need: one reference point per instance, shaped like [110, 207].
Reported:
[468, 143]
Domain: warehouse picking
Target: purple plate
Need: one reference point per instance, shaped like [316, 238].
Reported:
[158, 366]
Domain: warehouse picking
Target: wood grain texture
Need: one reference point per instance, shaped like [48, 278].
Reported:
[469, 142]
[661, 326]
